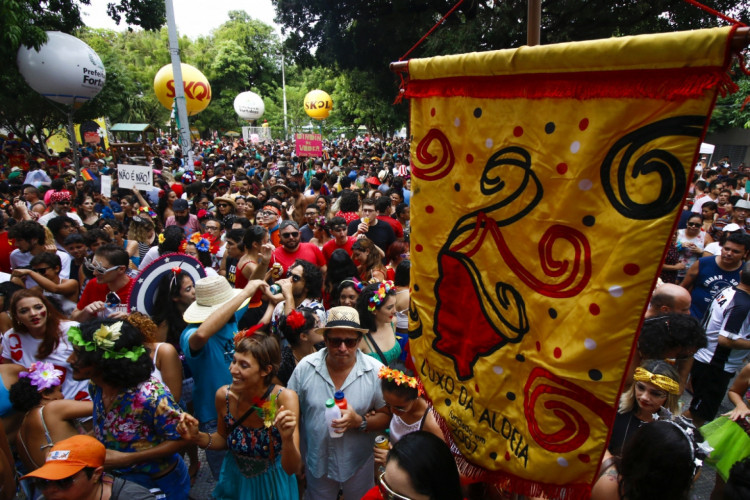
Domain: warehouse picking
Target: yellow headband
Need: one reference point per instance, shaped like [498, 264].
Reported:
[660, 381]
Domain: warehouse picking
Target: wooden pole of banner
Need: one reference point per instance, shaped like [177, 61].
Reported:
[740, 40]
[534, 23]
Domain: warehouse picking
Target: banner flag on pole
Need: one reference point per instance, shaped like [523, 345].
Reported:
[547, 182]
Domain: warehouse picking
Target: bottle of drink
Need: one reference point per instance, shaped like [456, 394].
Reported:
[333, 412]
[338, 396]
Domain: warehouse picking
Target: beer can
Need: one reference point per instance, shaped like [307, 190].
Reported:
[381, 441]
[275, 289]
[276, 271]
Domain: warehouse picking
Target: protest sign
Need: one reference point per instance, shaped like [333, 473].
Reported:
[135, 176]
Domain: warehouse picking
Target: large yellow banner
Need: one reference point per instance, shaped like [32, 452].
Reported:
[546, 185]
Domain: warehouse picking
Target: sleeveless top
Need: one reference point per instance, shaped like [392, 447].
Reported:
[710, 281]
[239, 279]
[254, 449]
[390, 355]
[143, 249]
[398, 428]
[156, 373]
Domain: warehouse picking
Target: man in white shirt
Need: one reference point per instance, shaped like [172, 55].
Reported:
[60, 203]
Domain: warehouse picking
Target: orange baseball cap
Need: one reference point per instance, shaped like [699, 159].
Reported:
[70, 456]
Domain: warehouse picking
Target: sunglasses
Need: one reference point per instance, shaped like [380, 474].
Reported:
[336, 342]
[654, 393]
[96, 267]
[296, 278]
[386, 492]
[41, 270]
[63, 203]
[60, 484]
[222, 205]
[694, 224]
[289, 235]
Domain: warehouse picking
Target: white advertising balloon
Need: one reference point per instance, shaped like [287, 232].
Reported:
[64, 69]
[249, 106]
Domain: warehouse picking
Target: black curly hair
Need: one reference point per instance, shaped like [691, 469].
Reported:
[674, 331]
[24, 396]
[122, 372]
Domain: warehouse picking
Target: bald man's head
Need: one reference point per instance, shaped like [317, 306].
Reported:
[669, 298]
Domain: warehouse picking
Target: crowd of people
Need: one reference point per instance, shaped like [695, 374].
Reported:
[302, 297]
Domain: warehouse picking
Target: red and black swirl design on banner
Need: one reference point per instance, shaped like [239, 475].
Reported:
[476, 312]
[557, 395]
[434, 167]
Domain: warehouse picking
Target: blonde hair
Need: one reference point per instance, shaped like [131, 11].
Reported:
[657, 367]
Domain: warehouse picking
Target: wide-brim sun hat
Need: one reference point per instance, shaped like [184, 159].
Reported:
[342, 317]
[211, 293]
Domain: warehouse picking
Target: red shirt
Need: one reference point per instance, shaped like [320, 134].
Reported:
[305, 251]
[96, 291]
[398, 230]
[331, 245]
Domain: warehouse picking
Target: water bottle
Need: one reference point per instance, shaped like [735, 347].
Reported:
[340, 400]
[333, 412]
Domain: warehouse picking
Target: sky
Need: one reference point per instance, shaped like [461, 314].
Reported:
[194, 17]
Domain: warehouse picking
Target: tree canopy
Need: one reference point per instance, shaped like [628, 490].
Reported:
[366, 36]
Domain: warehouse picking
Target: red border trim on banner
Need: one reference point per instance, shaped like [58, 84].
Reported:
[671, 84]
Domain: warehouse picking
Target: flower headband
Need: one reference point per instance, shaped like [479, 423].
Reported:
[399, 378]
[104, 338]
[384, 287]
[148, 211]
[43, 375]
[660, 381]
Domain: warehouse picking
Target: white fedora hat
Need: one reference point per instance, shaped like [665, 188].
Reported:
[211, 293]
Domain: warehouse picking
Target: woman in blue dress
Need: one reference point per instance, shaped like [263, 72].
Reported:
[257, 424]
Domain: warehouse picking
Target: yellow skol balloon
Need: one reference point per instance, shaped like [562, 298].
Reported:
[197, 88]
[318, 104]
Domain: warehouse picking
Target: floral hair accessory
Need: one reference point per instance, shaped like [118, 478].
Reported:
[379, 295]
[147, 210]
[161, 238]
[660, 381]
[249, 332]
[295, 319]
[104, 339]
[214, 244]
[43, 375]
[399, 378]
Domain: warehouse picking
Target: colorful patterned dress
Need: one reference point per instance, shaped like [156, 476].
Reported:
[252, 468]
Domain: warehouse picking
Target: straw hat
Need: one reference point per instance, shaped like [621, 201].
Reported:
[226, 200]
[346, 318]
[210, 294]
